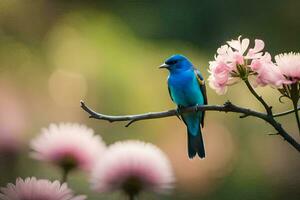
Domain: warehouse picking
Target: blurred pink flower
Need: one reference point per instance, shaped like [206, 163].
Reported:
[289, 65]
[10, 142]
[69, 146]
[13, 118]
[33, 189]
[133, 166]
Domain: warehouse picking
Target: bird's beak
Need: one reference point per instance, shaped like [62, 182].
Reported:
[164, 66]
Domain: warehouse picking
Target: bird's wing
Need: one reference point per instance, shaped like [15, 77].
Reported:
[203, 90]
[170, 93]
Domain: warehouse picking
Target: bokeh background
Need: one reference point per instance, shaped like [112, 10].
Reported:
[55, 53]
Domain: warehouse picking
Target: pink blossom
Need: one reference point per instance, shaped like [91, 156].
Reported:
[267, 72]
[236, 61]
[238, 45]
[226, 61]
[34, 189]
[68, 144]
[133, 162]
[219, 80]
[289, 65]
[255, 52]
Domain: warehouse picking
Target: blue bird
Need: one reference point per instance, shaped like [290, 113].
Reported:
[187, 88]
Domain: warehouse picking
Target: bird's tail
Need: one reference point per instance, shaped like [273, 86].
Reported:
[196, 145]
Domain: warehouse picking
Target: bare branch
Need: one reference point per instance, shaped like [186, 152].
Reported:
[130, 118]
[259, 98]
[227, 107]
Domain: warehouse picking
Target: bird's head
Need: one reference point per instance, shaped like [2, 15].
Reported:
[176, 63]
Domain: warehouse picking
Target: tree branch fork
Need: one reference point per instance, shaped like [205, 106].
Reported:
[226, 107]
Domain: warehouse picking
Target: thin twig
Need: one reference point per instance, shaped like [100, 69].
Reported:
[294, 91]
[285, 113]
[297, 118]
[259, 98]
[273, 133]
[227, 107]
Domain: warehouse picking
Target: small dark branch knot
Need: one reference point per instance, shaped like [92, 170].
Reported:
[227, 103]
[227, 106]
[270, 110]
[244, 116]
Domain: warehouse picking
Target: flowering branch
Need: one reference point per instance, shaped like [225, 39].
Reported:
[236, 61]
[227, 107]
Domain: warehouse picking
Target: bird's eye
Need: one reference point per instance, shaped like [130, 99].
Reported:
[172, 62]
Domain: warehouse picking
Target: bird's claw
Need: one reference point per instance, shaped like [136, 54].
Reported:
[196, 108]
[178, 112]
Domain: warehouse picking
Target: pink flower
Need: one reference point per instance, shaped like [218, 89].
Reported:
[240, 46]
[267, 72]
[69, 146]
[33, 189]
[289, 65]
[133, 166]
[255, 52]
[220, 78]
[224, 70]
[235, 61]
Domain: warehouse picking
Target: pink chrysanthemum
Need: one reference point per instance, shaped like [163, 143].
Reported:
[68, 145]
[133, 166]
[289, 65]
[236, 61]
[33, 189]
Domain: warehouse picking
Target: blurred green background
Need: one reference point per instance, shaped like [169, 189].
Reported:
[55, 53]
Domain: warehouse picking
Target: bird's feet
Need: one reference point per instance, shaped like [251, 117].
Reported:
[178, 113]
[196, 108]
